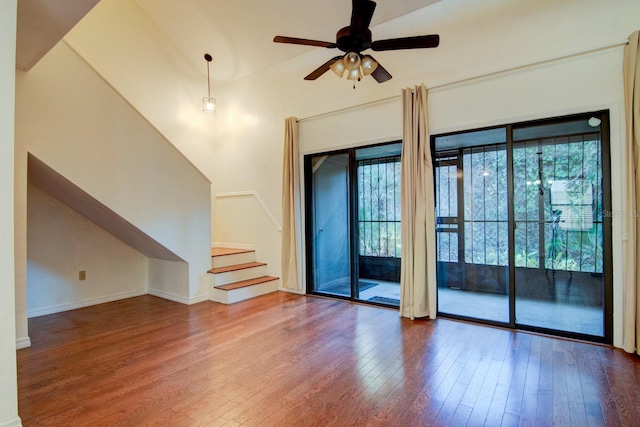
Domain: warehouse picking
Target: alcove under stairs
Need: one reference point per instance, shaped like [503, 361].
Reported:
[237, 276]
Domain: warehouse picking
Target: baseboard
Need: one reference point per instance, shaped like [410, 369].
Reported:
[72, 306]
[198, 298]
[13, 422]
[245, 246]
[292, 291]
[23, 342]
[170, 296]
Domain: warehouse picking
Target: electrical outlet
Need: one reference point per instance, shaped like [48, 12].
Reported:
[82, 275]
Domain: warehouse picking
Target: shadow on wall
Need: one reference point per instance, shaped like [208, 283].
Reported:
[73, 237]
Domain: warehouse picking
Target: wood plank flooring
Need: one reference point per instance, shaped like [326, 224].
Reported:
[289, 360]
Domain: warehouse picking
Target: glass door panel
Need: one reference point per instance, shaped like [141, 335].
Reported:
[472, 225]
[524, 226]
[353, 223]
[558, 212]
[378, 224]
[331, 264]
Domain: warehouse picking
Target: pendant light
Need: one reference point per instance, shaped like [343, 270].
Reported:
[208, 103]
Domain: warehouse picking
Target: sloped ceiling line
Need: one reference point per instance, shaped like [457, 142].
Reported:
[65, 191]
[42, 24]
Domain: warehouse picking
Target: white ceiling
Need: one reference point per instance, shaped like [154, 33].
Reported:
[237, 33]
[42, 23]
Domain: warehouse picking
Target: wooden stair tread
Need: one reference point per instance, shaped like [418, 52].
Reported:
[245, 283]
[228, 251]
[236, 267]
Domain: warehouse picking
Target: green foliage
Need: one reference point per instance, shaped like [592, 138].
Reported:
[379, 207]
[544, 231]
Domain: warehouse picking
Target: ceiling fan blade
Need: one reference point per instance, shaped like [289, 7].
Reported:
[380, 74]
[418, 42]
[361, 15]
[322, 69]
[306, 42]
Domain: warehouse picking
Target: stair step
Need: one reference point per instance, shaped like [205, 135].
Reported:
[237, 276]
[222, 257]
[236, 267]
[245, 283]
[215, 252]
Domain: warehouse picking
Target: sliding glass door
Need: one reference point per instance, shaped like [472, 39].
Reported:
[559, 195]
[522, 231]
[472, 226]
[353, 224]
[330, 226]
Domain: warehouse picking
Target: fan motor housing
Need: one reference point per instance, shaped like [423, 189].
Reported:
[348, 42]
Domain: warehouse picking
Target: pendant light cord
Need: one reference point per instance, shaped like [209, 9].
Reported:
[208, 81]
[208, 58]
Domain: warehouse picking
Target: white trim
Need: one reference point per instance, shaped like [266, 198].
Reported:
[478, 77]
[72, 306]
[529, 64]
[198, 298]
[13, 422]
[169, 296]
[353, 107]
[245, 246]
[23, 342]
[255, 194]
[177, 298]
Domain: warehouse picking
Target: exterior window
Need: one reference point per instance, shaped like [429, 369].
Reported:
[485, 205]
[558, 204]
[522, 225]
[379, 207]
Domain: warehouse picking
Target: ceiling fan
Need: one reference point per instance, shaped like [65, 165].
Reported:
[355, 39]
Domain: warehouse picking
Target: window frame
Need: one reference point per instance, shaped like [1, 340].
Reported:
[607, 260]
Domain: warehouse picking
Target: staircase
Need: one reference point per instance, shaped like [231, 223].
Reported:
[237, 276]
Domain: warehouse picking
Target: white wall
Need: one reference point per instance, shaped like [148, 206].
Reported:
[8, 379]
[476, 38]
[126, 48]
[162, 276]
[70, 119]
[60, 243]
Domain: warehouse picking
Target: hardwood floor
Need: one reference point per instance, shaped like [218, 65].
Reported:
[288, 360]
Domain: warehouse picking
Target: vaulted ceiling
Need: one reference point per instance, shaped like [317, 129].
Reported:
[238, 34]
[42, 23]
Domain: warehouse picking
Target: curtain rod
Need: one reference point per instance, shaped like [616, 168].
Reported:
[478, 77]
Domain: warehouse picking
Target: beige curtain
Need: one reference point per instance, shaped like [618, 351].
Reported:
[290, 204]
[417, 267]
[631, 277]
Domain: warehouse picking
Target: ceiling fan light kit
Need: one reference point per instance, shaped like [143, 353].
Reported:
[351, 61]
[354, 75]
[368, 65]
[355, 39]
[338, 67]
